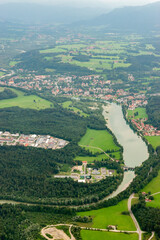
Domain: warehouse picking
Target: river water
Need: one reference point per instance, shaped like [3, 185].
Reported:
[134, 148]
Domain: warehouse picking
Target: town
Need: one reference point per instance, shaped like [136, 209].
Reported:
[32, 140]
[87, 86]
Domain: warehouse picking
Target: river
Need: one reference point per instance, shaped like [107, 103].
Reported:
[134, 148]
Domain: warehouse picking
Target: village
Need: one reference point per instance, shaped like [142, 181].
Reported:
[87, 86]
[32, 140]
[84, 174]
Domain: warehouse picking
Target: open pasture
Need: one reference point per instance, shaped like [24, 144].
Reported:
[141, 113]
[153, 140]
[98, 139]
[153, 186]
[22, 101]
[111, 216]
[95, 235]
[68, 105]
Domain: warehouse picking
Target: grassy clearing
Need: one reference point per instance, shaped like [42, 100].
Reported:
[13, 63]
[1, 74]
[98, 138]
[31, 101]
[97, 158]
[111, 216]
[91, 159]
[68, 105]
[49, 70]
[95, 235]
[141, 113]
[156, 202]
[153, 186]
[153, 140]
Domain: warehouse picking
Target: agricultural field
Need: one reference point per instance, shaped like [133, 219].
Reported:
[153, 186]
[94, 235]
[111, 216]
[153, 140]
[98, 139]
[22, 101]
[68, 105]
[100, 55]
[137, 113]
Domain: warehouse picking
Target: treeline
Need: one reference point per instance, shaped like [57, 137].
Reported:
[153, 111]
[16, 223]
[57, 122]
[7, 93]
[148, 217]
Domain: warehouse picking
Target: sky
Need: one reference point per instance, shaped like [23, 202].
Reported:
[86, 3]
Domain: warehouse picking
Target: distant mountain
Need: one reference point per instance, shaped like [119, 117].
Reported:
[140, 18]
[29, 13]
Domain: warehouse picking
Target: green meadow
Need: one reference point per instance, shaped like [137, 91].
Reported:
[153, 186]
[156, 202]
[68, 105]
[141, 113]
[100, 139]
[97, 235]
[97, 158]
[13, 63]
[22, 101]
[153, 140]
[111, 216]
[1, 74]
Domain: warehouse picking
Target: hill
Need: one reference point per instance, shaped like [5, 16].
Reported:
[31, 13]
[139, 18]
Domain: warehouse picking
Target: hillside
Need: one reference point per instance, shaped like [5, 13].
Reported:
[140, 18]
[31, 13]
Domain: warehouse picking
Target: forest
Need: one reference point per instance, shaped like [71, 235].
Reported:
[148, 217]
[18, 222]
[153, 111]
[26, 174]
[7, 93]
[57, 122]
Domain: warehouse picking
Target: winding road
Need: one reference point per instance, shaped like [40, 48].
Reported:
[139, 231]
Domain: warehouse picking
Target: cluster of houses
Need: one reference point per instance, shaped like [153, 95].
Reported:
[146, 129]
[32, 140]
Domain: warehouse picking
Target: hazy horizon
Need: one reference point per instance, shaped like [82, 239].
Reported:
[84, 3]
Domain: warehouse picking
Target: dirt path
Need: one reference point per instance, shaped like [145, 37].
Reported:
[100, 150]
[155, 193]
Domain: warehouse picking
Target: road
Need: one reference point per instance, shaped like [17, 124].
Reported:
[139, 231]
[151, 236]
[100, 150]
